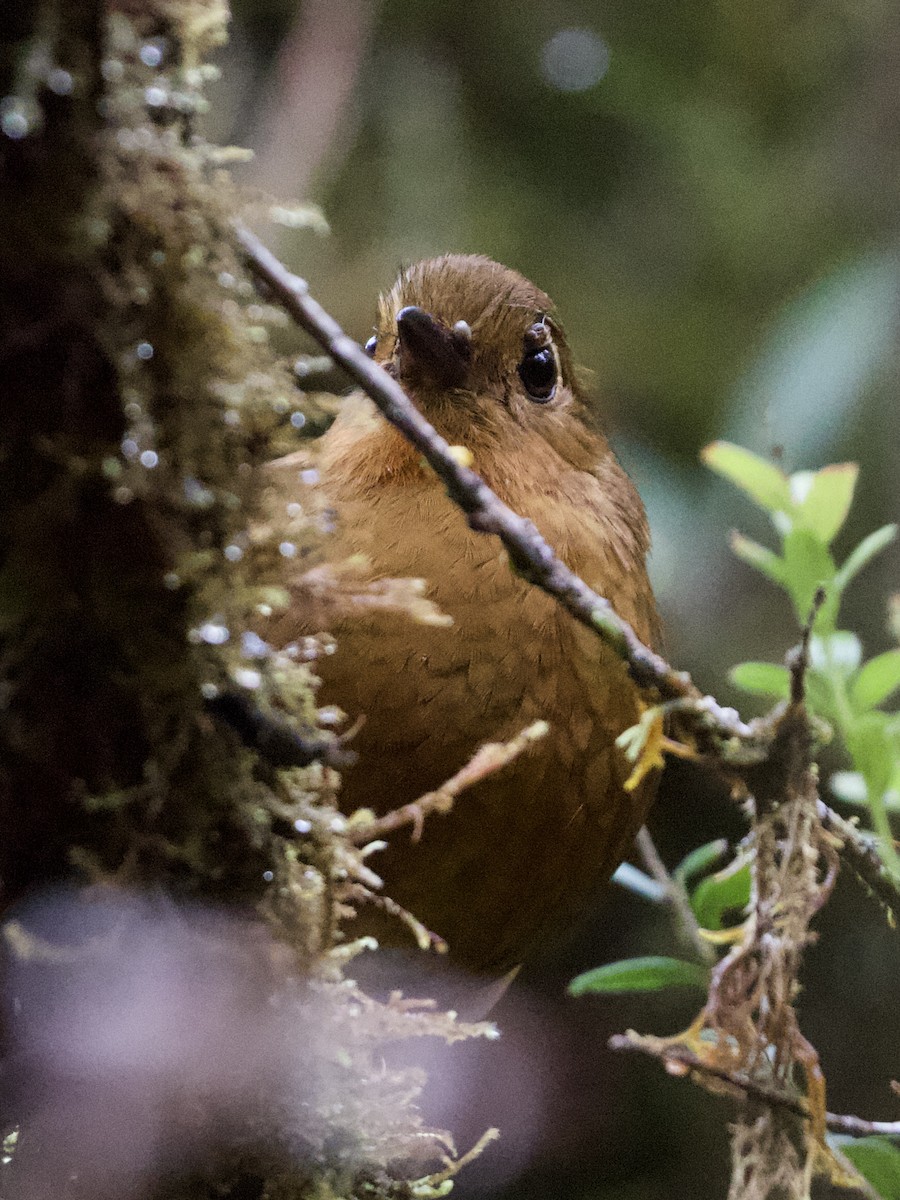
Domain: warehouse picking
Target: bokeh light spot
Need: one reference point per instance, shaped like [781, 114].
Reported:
[574, 59]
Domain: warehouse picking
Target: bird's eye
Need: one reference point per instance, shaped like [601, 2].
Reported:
[538, 371]
[370, 346]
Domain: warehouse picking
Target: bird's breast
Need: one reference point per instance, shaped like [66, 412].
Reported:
[526, 847]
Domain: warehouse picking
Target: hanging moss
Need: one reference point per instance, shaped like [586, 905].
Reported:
[140, 399]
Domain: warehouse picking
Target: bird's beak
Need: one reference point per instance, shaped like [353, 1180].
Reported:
[431, 355]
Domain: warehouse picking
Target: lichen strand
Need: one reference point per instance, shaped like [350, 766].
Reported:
[140, 398]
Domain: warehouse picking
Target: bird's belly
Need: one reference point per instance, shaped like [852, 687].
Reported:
[525, 848]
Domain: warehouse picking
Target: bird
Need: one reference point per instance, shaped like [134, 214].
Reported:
[480, 352]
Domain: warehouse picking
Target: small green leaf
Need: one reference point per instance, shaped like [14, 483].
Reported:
[728, 889]
[633, 880]
[870, 744]
[863, 554]
[761, 480]
[877, 680]
[762, 679]
[820, 695]
[650, 974]
[807, 566]
[877, 1159]
[760, 557]
[823, 498]
[700, 860]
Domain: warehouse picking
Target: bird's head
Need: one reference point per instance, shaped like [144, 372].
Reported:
[464, 333]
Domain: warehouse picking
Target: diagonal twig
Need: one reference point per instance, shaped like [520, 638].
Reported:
[529, 553]
[687, 928]
[487, 759]
[680, 1060]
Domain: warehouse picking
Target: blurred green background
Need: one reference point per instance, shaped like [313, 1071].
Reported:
[710, 193]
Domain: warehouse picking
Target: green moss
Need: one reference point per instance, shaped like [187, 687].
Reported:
[142, 402]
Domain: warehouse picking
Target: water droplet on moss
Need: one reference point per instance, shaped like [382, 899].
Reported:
[196, 494]
[287, 549]
[60, 82]
[18, 117]
[303, 826]
[149, 459]
[144, 351]
[152, 52]
[214, 633]
[253, 646]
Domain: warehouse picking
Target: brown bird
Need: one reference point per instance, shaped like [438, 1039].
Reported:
[475, 347]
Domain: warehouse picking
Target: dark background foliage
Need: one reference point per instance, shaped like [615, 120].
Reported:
[709, 192]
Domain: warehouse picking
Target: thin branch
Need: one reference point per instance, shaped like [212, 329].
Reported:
[862, 854]
[679, 1060]
[798, 662]
[686, 926]
[485, 761]
[529, 553]
[425, 938]
[455, 1165]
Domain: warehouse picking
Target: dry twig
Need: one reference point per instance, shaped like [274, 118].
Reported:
[487, 759]
[678, 1060]
[686, 926]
